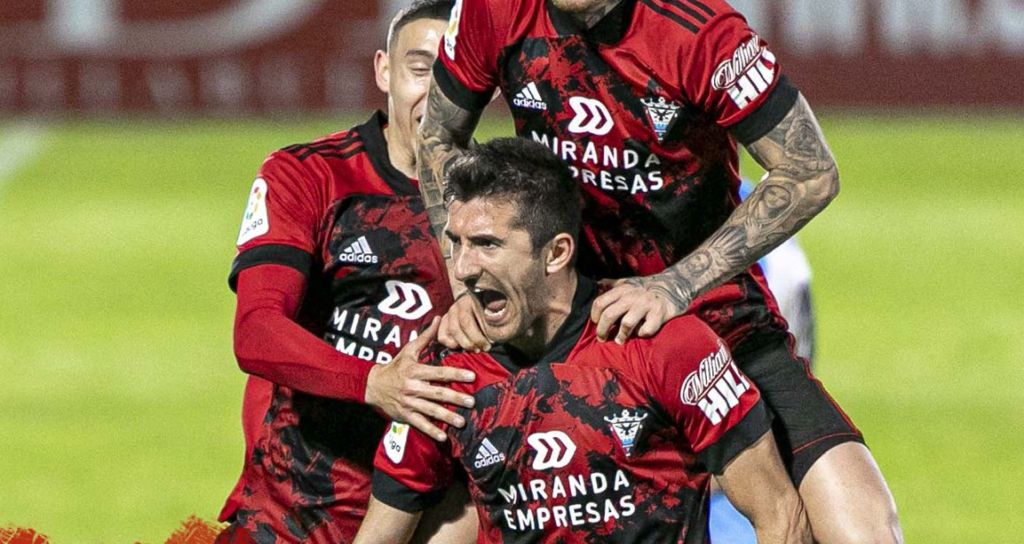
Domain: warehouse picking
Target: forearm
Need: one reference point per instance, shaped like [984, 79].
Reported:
[384, 524]
[757, 484]
[444, 136]
[802, 180]
[270, 344]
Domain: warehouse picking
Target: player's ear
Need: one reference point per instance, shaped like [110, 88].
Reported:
[558, 253]
[380, 71]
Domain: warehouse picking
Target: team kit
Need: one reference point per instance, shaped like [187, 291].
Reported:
[363, 423]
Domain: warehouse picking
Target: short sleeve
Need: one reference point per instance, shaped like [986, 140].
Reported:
[281, 218]
[466, 69]
[731, 73]
[411, 470]
[692, 376]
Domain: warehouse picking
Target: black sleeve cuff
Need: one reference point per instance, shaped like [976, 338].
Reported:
[270, 254]
[769, 115]
[743, 435]
[455, 91]
[392, 493]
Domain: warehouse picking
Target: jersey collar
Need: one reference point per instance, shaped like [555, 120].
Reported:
[565, 339]
[609, 30]
[372, 134]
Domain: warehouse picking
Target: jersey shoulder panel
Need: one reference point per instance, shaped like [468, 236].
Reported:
[338, 145]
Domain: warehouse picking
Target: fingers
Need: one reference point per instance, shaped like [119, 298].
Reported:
[653, 322]
[426, 337]
[423, 425]
[601, 303]
[429, 373]
[629, 322]
[609, 317]
[447, 333]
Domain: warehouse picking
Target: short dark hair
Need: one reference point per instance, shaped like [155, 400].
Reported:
[420, 9]
[527, 174]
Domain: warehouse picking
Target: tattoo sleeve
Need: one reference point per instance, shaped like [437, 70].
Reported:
[800, 182]
[444, 135]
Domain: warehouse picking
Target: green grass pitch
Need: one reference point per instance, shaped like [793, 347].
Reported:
[119, 412]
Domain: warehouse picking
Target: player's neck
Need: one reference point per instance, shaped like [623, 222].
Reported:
[591, 17]
[535, 343]
[401, 155]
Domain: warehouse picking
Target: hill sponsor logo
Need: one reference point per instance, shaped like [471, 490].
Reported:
[748, 74]
[716, 386]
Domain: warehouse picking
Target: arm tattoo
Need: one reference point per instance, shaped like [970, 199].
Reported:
[801, 180]
[444, 137]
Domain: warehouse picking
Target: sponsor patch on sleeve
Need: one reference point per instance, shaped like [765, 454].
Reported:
[747, 74]
[255, 222]
[716, 386]
[394, 441]
[453, 30]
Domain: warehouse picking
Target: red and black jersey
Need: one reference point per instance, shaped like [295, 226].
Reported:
[341, 214]
[596, 442]
[646, 107]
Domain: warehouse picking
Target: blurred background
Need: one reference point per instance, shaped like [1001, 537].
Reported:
[130, 132]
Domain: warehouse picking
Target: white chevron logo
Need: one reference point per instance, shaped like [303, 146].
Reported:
[406, 300]
[358, 252]
[554, 449]
[591, 116]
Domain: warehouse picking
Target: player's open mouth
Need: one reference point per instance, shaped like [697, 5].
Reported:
[495, 304]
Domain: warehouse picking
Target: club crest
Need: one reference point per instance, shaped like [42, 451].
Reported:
[661, 113]
[627, 427]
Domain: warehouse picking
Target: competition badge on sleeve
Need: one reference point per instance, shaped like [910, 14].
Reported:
[255, 222]
[452, 31]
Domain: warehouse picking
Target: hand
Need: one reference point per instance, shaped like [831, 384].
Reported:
[648, 302]
[460, 328]
[404, 389]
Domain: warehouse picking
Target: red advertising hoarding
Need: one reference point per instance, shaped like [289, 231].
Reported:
[249, 56]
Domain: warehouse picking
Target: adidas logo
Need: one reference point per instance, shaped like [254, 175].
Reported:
[358, 252]
[488, 455]
[529, 98]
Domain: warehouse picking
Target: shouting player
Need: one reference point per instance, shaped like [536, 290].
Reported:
[336, 271]
[572, 439]
[646, 101]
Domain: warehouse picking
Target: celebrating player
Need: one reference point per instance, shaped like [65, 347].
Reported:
[572, 439]
[336, 271]
[646, 100]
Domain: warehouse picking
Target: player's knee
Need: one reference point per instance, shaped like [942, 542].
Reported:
[875, 523]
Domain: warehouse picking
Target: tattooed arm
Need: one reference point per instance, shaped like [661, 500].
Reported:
[444, 135]
[801, 181]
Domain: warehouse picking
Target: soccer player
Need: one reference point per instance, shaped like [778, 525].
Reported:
[572, 439]
[646, 101]
[336, 271]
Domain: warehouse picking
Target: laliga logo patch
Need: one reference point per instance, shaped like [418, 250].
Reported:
[255, 222]
[394, 442]
[452, 31]
[749, 72]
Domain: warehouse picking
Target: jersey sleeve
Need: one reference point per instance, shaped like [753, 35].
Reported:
[732, 74]
[281, 218]
[692, 376]
[466, 69]
[411, 470]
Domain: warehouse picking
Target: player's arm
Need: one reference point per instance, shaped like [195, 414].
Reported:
[445, 134]
[757, 484]
[269, 275]
[385, 524]
[801, 181]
